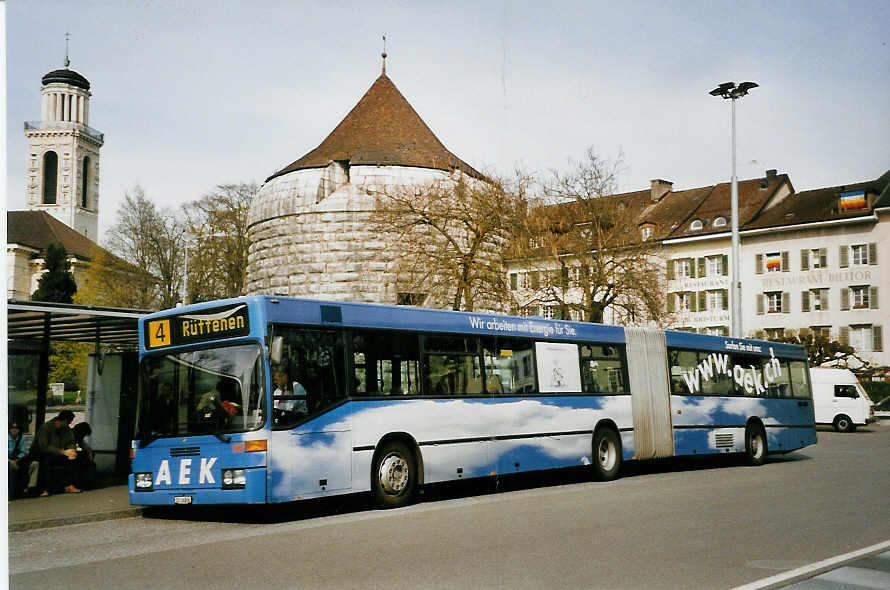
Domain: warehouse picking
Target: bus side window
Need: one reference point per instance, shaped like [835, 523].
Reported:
[453, 365]
[602, 369]
[385, 363]
[799, 386]
[509, 365]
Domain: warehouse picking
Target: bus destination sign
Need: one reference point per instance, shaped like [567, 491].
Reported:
[203, 326]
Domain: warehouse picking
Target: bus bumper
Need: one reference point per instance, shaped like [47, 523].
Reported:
[253, 492]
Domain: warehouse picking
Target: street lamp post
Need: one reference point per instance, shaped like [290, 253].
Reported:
[729, 90]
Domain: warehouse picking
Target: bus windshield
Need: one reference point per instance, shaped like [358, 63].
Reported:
[207, 391]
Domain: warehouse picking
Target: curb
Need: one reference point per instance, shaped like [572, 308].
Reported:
[30, 525]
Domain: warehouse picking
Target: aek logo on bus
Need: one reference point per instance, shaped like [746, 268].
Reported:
[185, 472]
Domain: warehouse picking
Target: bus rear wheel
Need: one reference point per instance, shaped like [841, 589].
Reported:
[843, 423]
[394, 475]
[755, 445]
[606, 454]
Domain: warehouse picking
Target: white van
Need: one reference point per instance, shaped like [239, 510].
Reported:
[839, 399]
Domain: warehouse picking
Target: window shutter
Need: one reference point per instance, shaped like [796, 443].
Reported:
[873, 297]
[877, 340]
[671, 302]
[786, 302]
[725, 299]
[701, 267]
[844, 335]
[513, 281]
[692, 274]
[872, 253]
[702, 300]
[804, 332]
[844, 255]
[804, 260]
[823, 257]
[786, 266]
[671, 269]
[760, 297]
[725, 265]
[691, 298]
[758, 264]
[804, 301]
[823, 299]
[725, 330]
[845, 299]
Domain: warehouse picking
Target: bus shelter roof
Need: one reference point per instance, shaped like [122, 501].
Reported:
[29, 321]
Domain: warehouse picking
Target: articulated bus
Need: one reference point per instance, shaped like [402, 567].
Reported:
[274, 399]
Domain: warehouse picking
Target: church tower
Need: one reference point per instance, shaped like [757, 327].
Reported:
[63, 153]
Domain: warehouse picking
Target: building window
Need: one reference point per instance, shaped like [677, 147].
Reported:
[50, 176]
[774, 302]
[715, 300]
[818, 257]
[717, 331]
[859, 297]
[819, 299]
[774, 262]
[548, 311]
[514, 281]
[860, 254]
[683, 268]
[861, 338]
[647, 233]
[696, 225]
[415, 299]
[85, 176]
[684, 301]
[714, 266]
[720, 222]
[821, 332]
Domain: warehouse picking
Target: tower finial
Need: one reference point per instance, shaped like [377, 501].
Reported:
[67, 61]
[383, 55]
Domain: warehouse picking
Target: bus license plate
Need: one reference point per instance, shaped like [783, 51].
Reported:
[182, 499]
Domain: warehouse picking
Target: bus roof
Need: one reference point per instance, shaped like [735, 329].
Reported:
[316, 312]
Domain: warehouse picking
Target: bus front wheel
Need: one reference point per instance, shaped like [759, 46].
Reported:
[394, 475]
[606, 454]
[755, 445]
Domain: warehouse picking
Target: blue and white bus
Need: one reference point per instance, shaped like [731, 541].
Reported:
[274, 399]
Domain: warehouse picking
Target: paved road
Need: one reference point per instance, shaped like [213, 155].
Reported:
[678, 524]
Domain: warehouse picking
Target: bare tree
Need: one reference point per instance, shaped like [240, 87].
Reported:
[217, 229]
[583, 249]
[450, 235]
[151, 240]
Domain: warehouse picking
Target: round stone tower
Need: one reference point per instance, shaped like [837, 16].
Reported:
[309, 227]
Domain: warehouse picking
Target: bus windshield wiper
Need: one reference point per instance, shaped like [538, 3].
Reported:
[223, 437]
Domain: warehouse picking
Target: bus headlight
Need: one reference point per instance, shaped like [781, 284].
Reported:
[143, 482]
[233, 479]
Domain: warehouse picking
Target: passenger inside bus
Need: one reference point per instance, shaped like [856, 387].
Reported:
[289, 399]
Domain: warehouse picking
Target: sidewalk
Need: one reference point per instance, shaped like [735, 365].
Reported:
[100, 504]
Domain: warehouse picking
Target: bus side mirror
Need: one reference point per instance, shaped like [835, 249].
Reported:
[276, 349]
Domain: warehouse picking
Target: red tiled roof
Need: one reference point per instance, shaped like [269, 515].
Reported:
[382, 129]
[39, 229]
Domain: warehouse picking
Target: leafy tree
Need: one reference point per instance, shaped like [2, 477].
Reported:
[217, 232]
[68, 364]
[583, 249]
[109, 281]
[450, 235]
[57, 283]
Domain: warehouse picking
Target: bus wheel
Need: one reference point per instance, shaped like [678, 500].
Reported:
[606, 454]
[394, 475]
[843, 423]
[755, 445]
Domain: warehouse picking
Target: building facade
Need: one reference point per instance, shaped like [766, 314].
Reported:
[810, 260]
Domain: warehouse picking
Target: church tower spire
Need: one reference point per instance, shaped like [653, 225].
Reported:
[63, 152]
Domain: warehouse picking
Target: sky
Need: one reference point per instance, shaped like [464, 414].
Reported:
[193, 94]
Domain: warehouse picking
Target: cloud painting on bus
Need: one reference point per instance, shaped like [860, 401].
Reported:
[537, 430]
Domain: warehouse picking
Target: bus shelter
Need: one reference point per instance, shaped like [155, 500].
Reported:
[108, 400]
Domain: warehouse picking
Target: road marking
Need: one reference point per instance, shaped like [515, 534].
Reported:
[814, 569]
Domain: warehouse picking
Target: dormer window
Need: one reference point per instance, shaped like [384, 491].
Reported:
[720, 222]
[646, 233]
[696, 225]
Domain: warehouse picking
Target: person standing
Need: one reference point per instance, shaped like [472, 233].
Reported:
[56, 451]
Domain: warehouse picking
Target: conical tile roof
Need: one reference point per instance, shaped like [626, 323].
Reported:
[382, 129]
